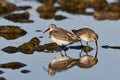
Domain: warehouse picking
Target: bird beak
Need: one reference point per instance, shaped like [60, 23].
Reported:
[46, 30]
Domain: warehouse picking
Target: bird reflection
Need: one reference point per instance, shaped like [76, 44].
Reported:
[61, 63]
[87, 60]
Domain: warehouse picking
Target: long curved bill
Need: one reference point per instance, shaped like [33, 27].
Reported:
[46, 30]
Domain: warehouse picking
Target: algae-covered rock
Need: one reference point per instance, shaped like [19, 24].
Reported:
[11, 32]
[50, 47]
[11, 29]
[29, 47]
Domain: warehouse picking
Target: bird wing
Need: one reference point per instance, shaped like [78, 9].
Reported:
[83, 31]
[61, 35]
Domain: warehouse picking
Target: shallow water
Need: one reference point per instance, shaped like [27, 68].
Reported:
[107, 67]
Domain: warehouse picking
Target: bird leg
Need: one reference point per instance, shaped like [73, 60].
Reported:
[87, 43]
[81, 42]
[64, 48]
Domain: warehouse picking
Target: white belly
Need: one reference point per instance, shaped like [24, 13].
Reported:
[59, 42]
[86, 38]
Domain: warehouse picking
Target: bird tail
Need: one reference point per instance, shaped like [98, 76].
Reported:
[74, 30]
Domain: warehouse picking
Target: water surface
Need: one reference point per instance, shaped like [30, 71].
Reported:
[107, 67]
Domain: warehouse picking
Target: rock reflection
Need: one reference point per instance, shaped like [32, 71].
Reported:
[10, 32]
[111, 47]
[61, 63]
[13, 65]
[2, 78]
[1, 72]
[87, 60]
[25, 71]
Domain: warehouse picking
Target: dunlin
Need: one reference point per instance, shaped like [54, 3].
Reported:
[86, 34]
[60, 36]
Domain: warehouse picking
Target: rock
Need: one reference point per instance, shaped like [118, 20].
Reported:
[19, 17]
[6, 7]
[29, 47]
[103, 15]
[11, 32]
[10, 49]
[12, 65]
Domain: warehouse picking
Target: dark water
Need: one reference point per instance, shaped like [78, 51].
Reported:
[107, 67]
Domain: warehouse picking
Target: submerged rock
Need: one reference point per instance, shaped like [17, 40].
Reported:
[11, 32]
